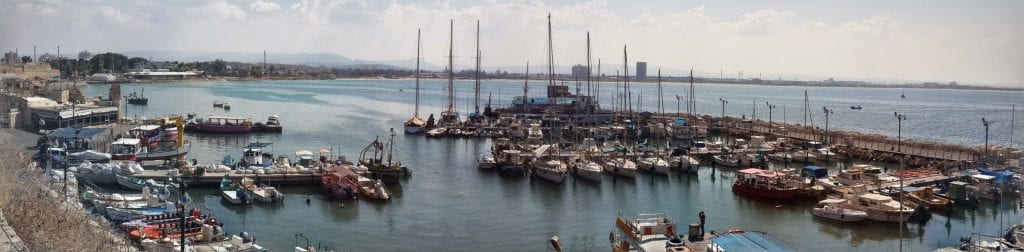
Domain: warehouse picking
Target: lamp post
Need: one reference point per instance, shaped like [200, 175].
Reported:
[825, 138]
[770, 108]
[899, 148]
[679, 99]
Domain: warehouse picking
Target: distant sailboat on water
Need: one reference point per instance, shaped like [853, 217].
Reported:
[415, 125]
[903, 94]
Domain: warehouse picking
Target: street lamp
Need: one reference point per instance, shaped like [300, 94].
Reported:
[825, 138]
[679, 99]
[770, 108]
[899, 144]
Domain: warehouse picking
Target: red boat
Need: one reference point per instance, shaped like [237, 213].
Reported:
[763, 184]
[337, 182]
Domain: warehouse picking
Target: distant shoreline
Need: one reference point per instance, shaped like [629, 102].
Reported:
[673, 81]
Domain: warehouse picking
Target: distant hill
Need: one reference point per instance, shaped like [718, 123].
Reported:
[328, 60]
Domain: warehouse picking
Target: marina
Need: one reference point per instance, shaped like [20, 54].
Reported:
[707, 183]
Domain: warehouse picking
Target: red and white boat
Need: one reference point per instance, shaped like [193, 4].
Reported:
[125, 149]
[763, 184]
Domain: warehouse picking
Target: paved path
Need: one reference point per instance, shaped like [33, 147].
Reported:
[9, 241]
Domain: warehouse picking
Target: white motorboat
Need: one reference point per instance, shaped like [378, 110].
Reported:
[589, 170]
[881, 208]
[834, 209]
[621, 166]
[685, 164]
[373, 189]
[727, 160]
[264, 194]
[553, 170]
[486, 162]
[806, 156]
[655, 164]
[437, 132]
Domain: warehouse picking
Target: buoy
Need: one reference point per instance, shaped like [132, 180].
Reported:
[342, 205]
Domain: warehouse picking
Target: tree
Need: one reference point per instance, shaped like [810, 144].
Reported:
[137, 62]
[26, 59]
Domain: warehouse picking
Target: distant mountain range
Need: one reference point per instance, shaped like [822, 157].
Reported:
[310, 59]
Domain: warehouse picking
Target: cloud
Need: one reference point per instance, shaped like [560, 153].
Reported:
[261, 6]
[774, 39]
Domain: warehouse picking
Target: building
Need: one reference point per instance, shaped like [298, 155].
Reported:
[162, 75]
[641, 71]
[11, 57]
[30, 71]
[84, 55]
[580, 72]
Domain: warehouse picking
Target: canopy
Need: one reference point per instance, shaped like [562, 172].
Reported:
[680, 121]
[126, 141]
[815, 171]
[147, 127]
[305, 154]
[259, 145]
[750, 241]
[69, 133]
[90, 155]
[1000, 176]
[832, 201]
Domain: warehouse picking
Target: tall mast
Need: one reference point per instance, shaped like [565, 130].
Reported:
[418, 44]
[476, 99]
[625, 80]
[551, 56]
[526, 87]
[451, 72]
[1013, 117]
[661, 102]
[589, 93]
[597, 89]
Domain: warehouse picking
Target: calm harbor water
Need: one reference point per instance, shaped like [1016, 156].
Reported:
[449, 205]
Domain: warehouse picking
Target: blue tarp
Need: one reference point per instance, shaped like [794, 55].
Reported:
[680, 121]
[815, 171]
[750, 241]
[1001, 176]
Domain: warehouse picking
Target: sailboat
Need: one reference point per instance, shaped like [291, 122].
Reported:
[903, 94]
[449, 117]
[415, 125]
[476, 117]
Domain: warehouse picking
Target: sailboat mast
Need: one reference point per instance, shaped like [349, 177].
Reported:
[476, 100]
[597, 90]
[526, 87]
[661, 102]
[551, 56]
[589, 93]
[625, 80]
[418, 44]
[451, 72]
[1013, 117]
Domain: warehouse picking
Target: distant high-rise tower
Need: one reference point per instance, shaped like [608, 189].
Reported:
[641, 71]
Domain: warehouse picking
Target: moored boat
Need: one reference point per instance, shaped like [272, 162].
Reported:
[645, 232]
[233, 193]
[763, 184]
[553, 170]
[834, 209]
[882, 208]
[486, 162]
[223, 124]
[621, 166]
[373, 189]
[337, 184]
[588, 170]
[685, 164]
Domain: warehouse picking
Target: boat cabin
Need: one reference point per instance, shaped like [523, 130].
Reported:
[306, 158]
[756, 178]
[813, 171]
[125, 149]
[259, 154]
[645, 232]
[877, 201]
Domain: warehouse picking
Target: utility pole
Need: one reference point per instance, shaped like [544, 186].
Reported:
[899, 148]
[679, 100]
[986, 123]
[720, 121]
[825, 139]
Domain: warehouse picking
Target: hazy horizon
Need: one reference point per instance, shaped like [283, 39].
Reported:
[966, 42]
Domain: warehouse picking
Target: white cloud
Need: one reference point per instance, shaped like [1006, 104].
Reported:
[261, 6]
[776, 40]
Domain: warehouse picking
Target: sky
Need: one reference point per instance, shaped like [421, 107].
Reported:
[941, 40]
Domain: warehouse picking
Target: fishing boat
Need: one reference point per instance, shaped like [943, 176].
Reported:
[486, 162]
[233, 193]
[621, 166]
[337, 183]
[381, 163]
[856, 107]
[881, 208]
[138, 98]
[645, 232]
[763, 184]
[589, 170]
[193, 228]
[224, 124]
[729, 160]
[227, 106]
[124, 214]
[373, 189]
[125, 149]
[553, 170]
[264, 194]
[218, 104]
[136, 183]
[926, 196]
[510, 162]
[415, 125]
[256, 155]
[834, 209]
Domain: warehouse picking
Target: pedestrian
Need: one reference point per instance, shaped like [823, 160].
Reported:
[701, 216]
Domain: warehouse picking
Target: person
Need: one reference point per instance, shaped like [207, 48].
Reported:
[701, 216]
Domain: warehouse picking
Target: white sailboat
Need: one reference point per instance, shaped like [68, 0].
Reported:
[415, 125]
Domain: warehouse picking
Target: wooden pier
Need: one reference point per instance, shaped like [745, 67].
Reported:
[910, 149]
[214, 178]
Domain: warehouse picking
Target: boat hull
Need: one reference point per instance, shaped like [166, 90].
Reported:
[553, 176]
[843, 215]
[764, 193]
[594, 175]
[413, 129]
[207, 128]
